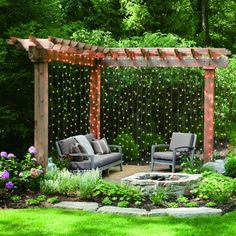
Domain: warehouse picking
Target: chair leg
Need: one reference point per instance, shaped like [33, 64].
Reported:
[121, 167]
[173, 168]
[152, 165]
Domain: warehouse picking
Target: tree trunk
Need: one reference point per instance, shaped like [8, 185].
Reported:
[205, 22]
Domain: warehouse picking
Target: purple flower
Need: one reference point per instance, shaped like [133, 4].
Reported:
[9, 185]
[21, 174]
[32, 150]
[10, 155]
[5, 174]
[3, 154]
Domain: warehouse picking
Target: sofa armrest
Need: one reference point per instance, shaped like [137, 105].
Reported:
[116, 147]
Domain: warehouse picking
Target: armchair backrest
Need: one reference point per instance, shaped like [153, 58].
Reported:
[182, 139]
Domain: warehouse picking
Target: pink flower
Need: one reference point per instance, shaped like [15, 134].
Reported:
[21, 174]
[5, 174]
[34, 172]
[3, 154]
[32, 150]
[10, 155]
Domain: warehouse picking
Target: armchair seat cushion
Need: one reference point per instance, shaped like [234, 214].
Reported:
[99, 161]
[167, 156]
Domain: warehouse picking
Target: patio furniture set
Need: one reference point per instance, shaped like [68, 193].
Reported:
[86, 152]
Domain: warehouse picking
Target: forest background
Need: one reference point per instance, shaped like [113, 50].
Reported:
[109, 23]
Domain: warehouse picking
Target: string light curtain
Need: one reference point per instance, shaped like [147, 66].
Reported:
[151, 100]
[68, 101]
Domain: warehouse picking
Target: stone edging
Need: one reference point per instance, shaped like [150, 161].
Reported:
[177, 212]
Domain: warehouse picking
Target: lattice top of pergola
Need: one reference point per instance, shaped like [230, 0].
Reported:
[68, 51]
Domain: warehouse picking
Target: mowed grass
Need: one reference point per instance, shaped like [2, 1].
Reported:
[74, 222]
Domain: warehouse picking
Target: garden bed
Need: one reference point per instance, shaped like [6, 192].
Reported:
[7, 203]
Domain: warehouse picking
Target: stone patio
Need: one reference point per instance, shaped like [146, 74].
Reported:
[115, 175]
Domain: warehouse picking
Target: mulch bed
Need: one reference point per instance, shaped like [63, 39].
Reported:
[6, 203]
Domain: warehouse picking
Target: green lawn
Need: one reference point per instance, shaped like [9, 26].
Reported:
[73, 222]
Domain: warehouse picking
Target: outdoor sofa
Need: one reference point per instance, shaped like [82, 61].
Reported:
[88, 159]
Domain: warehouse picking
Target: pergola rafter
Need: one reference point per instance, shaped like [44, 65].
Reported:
[43, 51]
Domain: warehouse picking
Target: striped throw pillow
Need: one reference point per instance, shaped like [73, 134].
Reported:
[100, 146]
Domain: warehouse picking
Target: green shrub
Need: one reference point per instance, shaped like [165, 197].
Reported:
[182, 199]
[32, 202]
[60, 181]
[216, 187]
[15, 198]
[160, 196]
[107, 201]
[129, 148]
[191, 165]
[20, 174]
[191, 204]
[211, 204]
[52, 200]
[172, 205]
[230, 166]
[41, 198]
[149, 139]
[123, 204]
[118, 192]
[88, 182]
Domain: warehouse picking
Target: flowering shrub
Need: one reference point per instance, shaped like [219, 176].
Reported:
[18, 175]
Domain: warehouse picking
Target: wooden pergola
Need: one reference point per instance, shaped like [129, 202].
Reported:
[43, 51]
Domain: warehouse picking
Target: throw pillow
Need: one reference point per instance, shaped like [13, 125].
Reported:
[76, 148]
[105, 146]
[97, 147]
[100, 146]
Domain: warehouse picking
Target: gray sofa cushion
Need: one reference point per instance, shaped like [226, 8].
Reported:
[90, 137]
[65, 145]
[181, 139]
[85, 144]
[168, 156]
[99, 161]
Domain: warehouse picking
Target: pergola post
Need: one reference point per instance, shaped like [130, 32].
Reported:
[39, 57]
[95, 100]
[209, 113]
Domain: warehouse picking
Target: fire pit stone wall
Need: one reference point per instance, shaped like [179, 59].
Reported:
[178, 183]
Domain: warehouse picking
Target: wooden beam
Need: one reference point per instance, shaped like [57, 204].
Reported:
[95, 100]
[41, 112]
[167, 62]
[209, 113]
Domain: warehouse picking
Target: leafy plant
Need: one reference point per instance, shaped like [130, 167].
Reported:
[32, 202]
[41, 198]
[230, 166]
[15, 198]
[118, 192]
[129, 148]
[172, 204]
[160, 196]
[182, 199]
[107, 201]
[216, 187]
[88, 182]
[60, 181]
[16, 174]
[123, 204]
[191, 204]
[52, 200]
[211, 204]
[191, 165]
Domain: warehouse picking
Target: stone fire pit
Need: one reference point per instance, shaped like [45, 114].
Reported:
[178, 183]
